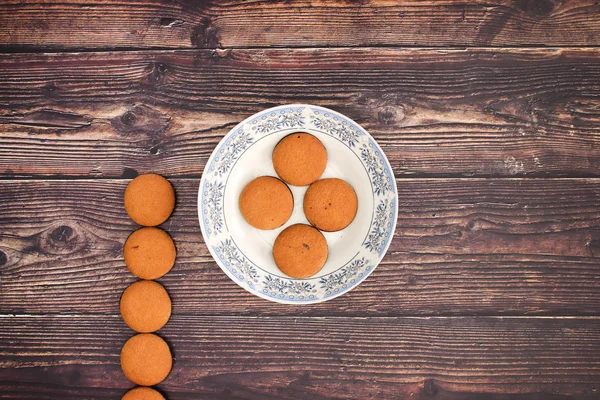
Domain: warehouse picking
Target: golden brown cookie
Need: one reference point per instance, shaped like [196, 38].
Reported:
[142, 393]
[266, 203]
[299, 159]
[145, 306]
[330, 204]
[149, 199]
[146, 359]
[300, 251]
[149, 253]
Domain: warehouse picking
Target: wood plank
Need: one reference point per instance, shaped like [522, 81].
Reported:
[77, 24]
[477, 246]
[435, 112]
[314, 358]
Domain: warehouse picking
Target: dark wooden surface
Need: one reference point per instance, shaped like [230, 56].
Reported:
[125, 24]
[475, 112]
[279, 357]
[488, 111]
[462, 246]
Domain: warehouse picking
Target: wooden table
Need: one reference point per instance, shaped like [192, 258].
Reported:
[488, 111]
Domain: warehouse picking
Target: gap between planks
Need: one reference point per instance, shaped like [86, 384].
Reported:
[25, 49]
[317, 317]
[149, 50]
[59, 178]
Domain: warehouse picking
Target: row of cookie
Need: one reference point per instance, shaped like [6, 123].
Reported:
[329, 204]
[145, 306]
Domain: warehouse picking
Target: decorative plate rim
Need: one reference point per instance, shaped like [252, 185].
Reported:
[349, 133]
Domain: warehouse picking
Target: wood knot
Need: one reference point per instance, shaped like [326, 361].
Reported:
[218, 54]
[62, 234]
[158, 73]
[363, 99]
[390, 115]
[141, 120]
[513, 166]
[50, 90]
[386, 117]
[536, 8]
[166, 22]
[3, 258]
[129, 173]
[205, 35]
[593, 247]
[162, 68]
[305, 378]
[430, 388]
[58, 239]
[128, 118]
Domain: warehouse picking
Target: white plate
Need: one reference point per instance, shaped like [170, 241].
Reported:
[244, 253]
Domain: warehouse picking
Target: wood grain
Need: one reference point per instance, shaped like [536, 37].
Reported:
[314, 358]
[435, 112]
[118, 24]
[491, 287]
[476, 246]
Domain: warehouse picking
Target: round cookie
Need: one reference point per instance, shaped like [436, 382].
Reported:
[142, 393]
[300, 251]
[149, 253]
[266, 203]
[330, 204]
[149, 199]
[299, 159]
[146, 359]
[145, 306]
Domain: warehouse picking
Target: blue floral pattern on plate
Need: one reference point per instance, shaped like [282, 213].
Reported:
[276, 121]
[236, 263]
[347, 275]
[213, 206]
[220, 242]
[233, 148]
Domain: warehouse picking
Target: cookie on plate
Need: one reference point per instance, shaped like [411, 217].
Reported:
[149, 199]
[149, 253]
[330, 204]
[300, 251]
[146, 359]
[266, 203]
[299, 159]
[145, 306]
